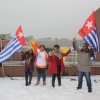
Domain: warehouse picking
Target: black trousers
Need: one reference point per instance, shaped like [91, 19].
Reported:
[58, 75]
[28, 77]
[41, 72]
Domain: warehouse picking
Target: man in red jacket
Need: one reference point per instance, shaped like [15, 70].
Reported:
[56, 64]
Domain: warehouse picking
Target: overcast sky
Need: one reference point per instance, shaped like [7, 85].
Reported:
[45, 18]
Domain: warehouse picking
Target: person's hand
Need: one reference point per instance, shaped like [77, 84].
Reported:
[45, 53]
[61, 51]
[74, 39]
[50, 53]
[70, 49]
[27, 61]
[90, 47]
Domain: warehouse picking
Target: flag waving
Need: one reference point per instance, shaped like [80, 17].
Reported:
[15, 44]
[34, 45]
[89, 32]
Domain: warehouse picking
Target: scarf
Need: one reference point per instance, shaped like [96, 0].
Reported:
[85, 50]
[58, 55]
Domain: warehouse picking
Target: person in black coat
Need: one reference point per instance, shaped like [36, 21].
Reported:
[29, 66]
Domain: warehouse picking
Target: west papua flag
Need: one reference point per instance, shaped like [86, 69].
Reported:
[89, 33]
[15, 44]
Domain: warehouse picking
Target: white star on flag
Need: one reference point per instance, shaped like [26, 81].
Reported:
[89, 25]
[20, 35]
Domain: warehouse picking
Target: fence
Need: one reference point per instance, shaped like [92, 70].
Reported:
[16, 68]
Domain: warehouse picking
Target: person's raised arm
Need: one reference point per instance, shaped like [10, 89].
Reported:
[50, 56]
[75, 45]
[65, 54]
[46, 55]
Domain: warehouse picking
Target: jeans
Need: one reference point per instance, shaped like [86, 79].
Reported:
[58, 76]
[41, 71]
[80, 79]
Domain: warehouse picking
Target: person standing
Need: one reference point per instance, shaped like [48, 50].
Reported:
[84, 64]
[29, 66]
[56, 64]
[41, 64]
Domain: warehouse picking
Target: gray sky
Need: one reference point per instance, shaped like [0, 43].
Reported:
[45, 18]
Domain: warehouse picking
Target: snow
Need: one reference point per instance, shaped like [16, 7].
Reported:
[16, 90]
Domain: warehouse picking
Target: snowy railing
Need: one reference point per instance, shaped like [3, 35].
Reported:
[74, 64]
[14, 63]
[69, 64]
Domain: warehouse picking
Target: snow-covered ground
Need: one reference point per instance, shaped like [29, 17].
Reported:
[16, 90]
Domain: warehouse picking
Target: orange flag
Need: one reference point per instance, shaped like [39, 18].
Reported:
[34, 45]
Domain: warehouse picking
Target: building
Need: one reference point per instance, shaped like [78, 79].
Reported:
[97, 15]
[72, 57]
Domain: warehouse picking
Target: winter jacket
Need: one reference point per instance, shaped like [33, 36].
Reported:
[53, 64]
[29, 64]
[84, 62]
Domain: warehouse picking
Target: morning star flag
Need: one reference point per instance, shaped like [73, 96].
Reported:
[15, 44]
[89, 33]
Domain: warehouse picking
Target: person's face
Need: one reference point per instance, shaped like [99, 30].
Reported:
[26, 55]
[90, 47]
[30, 51]
[42, 48]
[56, 49]
[84, 46]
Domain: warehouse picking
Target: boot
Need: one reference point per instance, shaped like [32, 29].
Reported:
[26, 81]
[53, 84]
[79, 88]
[44, 83]
[59, 82]
[26, 84]
[30, 78]
[89, 89]
[37, 82]
[29, 82]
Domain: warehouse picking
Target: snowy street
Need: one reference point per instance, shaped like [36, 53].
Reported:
[16, 90]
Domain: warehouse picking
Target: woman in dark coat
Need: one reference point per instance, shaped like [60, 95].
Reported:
[29, 66]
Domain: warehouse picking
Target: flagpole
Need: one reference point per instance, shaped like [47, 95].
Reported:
[3, 73]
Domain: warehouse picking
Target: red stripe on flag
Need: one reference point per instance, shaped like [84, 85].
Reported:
[81, 33]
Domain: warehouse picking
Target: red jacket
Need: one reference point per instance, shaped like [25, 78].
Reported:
[53, 65]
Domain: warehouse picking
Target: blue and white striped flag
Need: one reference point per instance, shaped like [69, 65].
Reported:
[15, 44]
